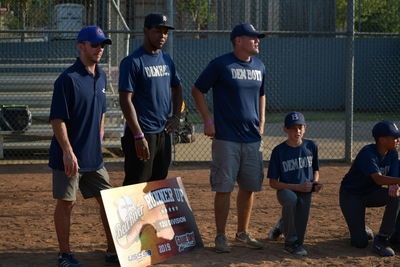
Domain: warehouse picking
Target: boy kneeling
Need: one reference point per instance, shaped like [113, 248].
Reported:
[375, 165]
[294, 172]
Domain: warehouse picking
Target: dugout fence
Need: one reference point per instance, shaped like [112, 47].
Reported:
[323, 58]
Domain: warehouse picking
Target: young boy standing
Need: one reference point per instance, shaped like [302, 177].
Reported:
[294, 172]
[375, 165]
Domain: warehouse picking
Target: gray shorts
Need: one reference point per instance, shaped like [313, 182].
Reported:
[241, 162]
[90, 184]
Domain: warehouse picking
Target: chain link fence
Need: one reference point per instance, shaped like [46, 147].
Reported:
[343, 80]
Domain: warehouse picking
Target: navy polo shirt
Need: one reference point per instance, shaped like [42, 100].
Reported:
[150, 77]
[358, 180]
[294, 165]
[79, 99]
[237, 87]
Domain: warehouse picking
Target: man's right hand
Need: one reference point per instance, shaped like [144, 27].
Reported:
[394, 190]
[142, 149]
[209, 130]
[71, 166]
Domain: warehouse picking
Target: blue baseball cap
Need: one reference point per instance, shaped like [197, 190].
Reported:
[245, 29]
[93, 35]
[385, 128]
[294, 118]
[153, 20]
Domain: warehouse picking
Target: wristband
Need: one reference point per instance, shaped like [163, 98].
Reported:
[139, 136]
[208, 123]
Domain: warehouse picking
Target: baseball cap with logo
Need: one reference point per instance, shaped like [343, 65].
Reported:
[245, 29]
[385, 128]
[156, 20]
[93, 35]
[294, 118]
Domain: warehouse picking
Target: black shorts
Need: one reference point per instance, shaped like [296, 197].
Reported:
[156, 168]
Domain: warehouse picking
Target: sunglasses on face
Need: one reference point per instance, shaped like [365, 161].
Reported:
[102, 45]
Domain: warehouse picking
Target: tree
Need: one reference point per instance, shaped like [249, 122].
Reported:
[379, 16]
[371, 15]
[25, 13]
[198, 11]
[341, 14]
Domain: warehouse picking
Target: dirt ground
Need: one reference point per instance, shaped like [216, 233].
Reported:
[27, 236]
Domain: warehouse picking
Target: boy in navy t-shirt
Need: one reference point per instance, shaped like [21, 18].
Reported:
[294, 172]
[375, 165]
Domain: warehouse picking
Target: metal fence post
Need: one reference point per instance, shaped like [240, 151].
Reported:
[349, 82]
[109, 54]
[169, 10]
[126, 28]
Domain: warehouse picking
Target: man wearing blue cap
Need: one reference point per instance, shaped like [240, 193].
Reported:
[375, 165]
[237, 82]
[77, 117]
[294, 172]
[148, 84]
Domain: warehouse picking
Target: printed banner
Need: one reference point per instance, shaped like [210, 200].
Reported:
[150, 222]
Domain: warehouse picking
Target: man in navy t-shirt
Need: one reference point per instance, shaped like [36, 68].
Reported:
[148, 82]
[77, 117]
[237, 83]
[375, 165]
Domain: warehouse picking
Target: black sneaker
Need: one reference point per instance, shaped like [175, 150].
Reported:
[296, 249]
[111, 257]
[381, 247]
[68, 260]
[274, 233]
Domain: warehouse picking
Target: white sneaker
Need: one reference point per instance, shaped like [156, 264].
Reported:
[250, 241]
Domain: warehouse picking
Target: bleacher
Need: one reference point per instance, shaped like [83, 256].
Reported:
[34, 88]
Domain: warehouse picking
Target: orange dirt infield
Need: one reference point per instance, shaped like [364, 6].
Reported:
[28, 237]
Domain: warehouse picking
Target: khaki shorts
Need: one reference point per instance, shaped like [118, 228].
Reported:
[89, 183]
[236, 162]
